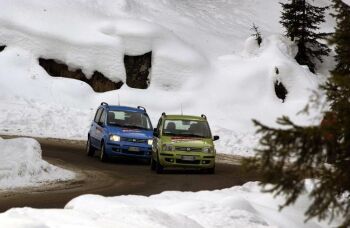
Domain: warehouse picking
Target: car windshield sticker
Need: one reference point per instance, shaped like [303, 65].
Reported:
[181, 139]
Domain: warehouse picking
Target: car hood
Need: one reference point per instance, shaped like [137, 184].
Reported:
[187, 141]
[131, 132]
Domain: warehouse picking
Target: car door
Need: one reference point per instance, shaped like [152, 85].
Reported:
[100, 127]
[93, 129]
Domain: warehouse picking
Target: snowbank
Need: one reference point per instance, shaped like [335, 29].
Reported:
[21, 165]
[202, 59]
[347, 2]
[241, 206]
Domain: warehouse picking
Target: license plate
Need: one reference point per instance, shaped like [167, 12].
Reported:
[134, 149]
[188, 158]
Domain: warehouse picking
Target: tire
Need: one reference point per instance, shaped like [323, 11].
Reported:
[153, 164]
[147, 161]
[90, 150]
[103, 155]
[159, 167]
[211, 170]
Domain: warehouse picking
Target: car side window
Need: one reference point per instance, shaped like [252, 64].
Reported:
[103, 117]
[98, 115]
[159, 125]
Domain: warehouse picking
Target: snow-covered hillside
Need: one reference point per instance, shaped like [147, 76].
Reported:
[21, 165]
[202, 59]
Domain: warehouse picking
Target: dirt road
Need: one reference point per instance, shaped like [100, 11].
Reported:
[115, 178]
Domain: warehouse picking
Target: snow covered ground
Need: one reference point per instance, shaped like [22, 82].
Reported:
[241, 206]
[21, 165]
[202, 59]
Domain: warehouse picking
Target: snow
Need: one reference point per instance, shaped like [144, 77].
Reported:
[347, 2]
[21, 165]
[240, 206]
[203, 59]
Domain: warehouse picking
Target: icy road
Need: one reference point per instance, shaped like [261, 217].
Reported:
[112, 179]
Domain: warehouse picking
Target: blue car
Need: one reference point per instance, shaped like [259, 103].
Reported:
[120, 131]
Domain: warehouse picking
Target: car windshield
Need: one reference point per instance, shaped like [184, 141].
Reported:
[129, 119]
[189, 128]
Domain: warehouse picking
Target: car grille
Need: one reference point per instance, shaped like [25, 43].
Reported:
[126, 151]
[188, 149]
[133, 140]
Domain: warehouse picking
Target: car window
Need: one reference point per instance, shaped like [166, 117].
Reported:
[103, 116]
[129, 119]
[191, 128]
[159, 125]
[98, 115]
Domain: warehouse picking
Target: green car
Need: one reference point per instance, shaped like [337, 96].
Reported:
[183, 141]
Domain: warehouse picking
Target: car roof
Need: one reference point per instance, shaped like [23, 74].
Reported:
[184, 117]
[124, 108]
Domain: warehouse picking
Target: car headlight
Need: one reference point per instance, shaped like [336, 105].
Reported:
[150, 142]
[115, 138]
[208, 150]
[168, 147]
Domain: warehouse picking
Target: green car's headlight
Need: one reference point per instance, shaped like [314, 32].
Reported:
[167, 147]
[208, 150]
[115, 138]
[150, 142]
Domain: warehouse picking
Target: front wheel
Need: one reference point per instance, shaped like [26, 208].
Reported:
[153, 164]
[103, 155]
[211, 170]
[90, 150]
[159, 167]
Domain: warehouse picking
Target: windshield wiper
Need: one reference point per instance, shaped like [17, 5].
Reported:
[170, 134]
[185, 135]
[115, 124]
[134, 126]
[192, 135]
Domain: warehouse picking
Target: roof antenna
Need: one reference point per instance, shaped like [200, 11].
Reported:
[118, 100]
[181, 110]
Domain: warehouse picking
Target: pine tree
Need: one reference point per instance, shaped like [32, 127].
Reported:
[301, 21]
[290, 154]
[257, 34]
[341, 37]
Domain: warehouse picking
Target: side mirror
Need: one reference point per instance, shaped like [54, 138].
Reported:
[216, 137]
[100, 124]
[155, 132]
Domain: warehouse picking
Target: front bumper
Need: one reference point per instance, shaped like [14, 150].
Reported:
[180, 159]
[129, 150]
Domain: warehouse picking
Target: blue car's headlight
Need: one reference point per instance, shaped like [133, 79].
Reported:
[115, 138]
[150, 142]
